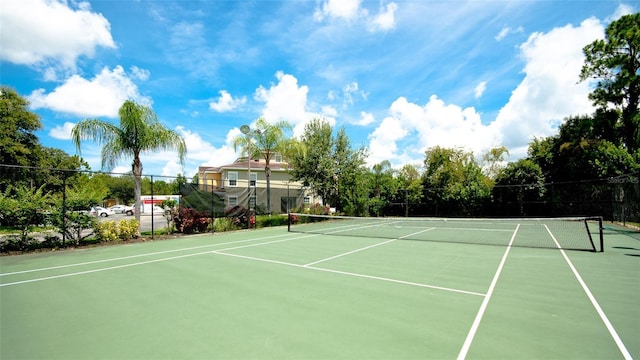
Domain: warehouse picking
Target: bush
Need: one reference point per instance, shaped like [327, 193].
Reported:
[106, 231]
[273, 220]
[128, 229]
[189, 221]
[224, 224]
[240, 216]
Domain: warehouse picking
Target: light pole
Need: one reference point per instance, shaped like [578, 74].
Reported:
[245, 129]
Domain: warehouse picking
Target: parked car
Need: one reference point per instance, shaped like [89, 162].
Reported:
[100, 211]
[123, 209]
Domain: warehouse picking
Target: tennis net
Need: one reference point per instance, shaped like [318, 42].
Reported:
[570, 233]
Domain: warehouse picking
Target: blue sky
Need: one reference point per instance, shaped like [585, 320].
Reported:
[398, 76]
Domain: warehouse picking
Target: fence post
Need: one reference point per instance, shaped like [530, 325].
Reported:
[152, 206]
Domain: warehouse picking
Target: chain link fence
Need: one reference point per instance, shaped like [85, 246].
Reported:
[615, 199]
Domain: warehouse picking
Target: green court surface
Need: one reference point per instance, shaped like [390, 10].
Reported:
[273, 294]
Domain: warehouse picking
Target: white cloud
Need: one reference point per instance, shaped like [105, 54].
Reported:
[139, 74]
[548, 93]
[62, 132]
[550, 90]
[506, 31]
[385, 20]
[226, 102]
[480, 89]
[365, 119]
[288, 102]
[223, 155]
[503, 33]
[101, 96]
[434, 124]
[621, 10]
[329, 111]
[351, 11]
[51, 32]
[343, 9]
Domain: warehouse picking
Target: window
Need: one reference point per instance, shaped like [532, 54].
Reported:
[233, 178]
[307, 200]
[278, 158]
[252, 202]
[254, 179]
[232, 200]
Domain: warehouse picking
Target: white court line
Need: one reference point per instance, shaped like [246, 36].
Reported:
[349, 252]
[416, 233]
[594, 302]
[366, 247]
[101, 269]
[219, 252]
[485, 302]
[136, 256]
[139, 263]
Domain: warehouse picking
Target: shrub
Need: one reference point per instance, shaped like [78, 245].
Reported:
[224, 224]
[240, 215]
[273, 220]
[189, 221]
[128, 229]
[106, 231]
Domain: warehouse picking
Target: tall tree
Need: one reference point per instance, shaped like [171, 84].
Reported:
[409, 181]
[312, 162]
[270, 141]
[615, 63]
[454, 181]
[384, 186]
[139, 132]
[18, 142]
[330, 167]
[518, 182]
[350, 193]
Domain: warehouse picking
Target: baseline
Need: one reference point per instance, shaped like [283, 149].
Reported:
[135, 256]
[142, 262]
[612, 331]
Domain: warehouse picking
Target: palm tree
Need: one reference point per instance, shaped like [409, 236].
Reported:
[139, 132]
[269, 141]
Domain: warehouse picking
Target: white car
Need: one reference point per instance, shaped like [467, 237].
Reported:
[100, 211]
[122, 209]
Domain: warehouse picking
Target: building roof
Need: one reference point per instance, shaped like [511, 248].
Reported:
[243, 164]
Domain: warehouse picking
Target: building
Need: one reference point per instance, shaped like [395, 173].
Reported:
[244, 183]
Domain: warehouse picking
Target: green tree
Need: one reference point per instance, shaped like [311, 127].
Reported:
[350, 193]
[330, 167]
[410, 184]
[139, 132]
[493, 161]
[56, 168]
[270, 141]
[312, 162]
[122, 189]
[615, 63]
[18, 142]
[384, 186]
[24, 207]
[518, 182]
[454, 181]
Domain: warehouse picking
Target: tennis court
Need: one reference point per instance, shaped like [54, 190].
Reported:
[382, 291]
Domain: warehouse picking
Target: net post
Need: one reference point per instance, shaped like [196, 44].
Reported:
[600, 228]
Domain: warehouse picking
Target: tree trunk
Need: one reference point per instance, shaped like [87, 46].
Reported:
[267, 172]
[136, 169]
